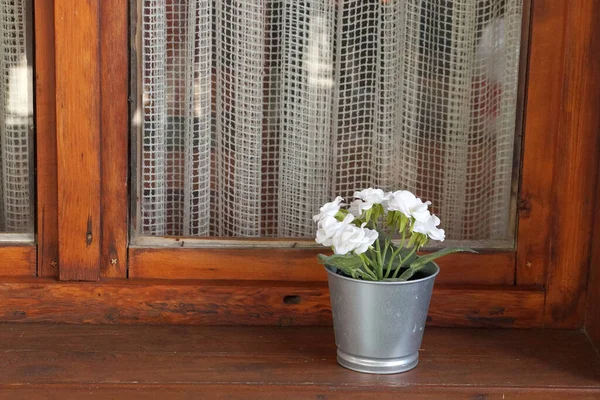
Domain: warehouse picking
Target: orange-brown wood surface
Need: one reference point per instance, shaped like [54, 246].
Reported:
[17, 260]
[296, 265]
[78, 137]
[542, 109]
[45, 130]
[577, 166]
[115, 133]
[555, 202]
[170, 362]
[592, 319]
[243, 303]
[288, 392]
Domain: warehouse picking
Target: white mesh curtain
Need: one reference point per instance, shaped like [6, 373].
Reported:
[15, 119]
[256, 112]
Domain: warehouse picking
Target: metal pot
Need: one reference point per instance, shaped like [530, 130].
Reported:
[379, 325]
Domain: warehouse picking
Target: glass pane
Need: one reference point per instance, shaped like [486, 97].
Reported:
[16, 122]
[254, 113]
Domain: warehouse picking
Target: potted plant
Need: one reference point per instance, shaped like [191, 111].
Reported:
[380, 287]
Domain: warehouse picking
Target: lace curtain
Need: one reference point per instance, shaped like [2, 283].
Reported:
[15, 119]
[256, 112]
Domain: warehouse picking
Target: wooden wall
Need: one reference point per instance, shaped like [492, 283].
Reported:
[542, 284]
[592, 321]
[590, 120]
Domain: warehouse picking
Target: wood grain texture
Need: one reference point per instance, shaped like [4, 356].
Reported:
[285, 363]
[296, 265]
[542, 109]
[78, 135]
[287, 392]
[18, 260]
[45, 129]
[115, 133]
[592, 319]
[577, 161]
[243, 303]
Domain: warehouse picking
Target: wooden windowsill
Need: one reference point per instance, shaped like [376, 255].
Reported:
[136, 362]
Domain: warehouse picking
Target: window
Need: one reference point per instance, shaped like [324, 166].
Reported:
[16, 118]
[252, 114]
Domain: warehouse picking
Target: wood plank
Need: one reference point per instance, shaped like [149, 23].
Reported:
[295, 265]
[592, 319]
[78, 135]
[226, 264]
[577, 160]
[45, 118]
[278, 392]
[320, 369]
[501, 307]
[257, 341]
[18, 260]
[243, 303]
[224, 360]
[114, 42]
[543, 99]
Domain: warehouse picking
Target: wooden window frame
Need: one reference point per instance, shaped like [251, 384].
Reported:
[292, 260]
[82, 218]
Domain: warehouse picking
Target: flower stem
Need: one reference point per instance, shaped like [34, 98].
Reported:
[368, 271]
[389, 266]
[385, 252]
[408, 256]
[394, 255]
[403, 238]
[379, 260]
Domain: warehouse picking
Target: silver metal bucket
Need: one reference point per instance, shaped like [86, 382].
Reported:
[379, 325]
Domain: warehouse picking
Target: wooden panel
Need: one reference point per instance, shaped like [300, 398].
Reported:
[543, 107]
[229, 264]
[78, 135]
[280, 342]
[592, 320]
[295, 265]
[45, 118]
[115, 134]
[497, 307]
[577, 161]
[288, 392]
[17, 260]
[296, 363]
[242, 303]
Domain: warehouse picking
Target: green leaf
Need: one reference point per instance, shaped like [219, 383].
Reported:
[347, 263]
[421, 261]
[342, 260]
[406, 275]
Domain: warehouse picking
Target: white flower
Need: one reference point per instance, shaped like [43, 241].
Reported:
[372, 196]
[329, 209]
[430, 228]
[358, 206]
[409, 205]
[368, 240]
[329, 227]
[353, 238]
[366, 199]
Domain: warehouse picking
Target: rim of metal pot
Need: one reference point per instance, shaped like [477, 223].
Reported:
[437, 271]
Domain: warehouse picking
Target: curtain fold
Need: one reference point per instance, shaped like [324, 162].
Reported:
[257, 112]
[305, 155]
